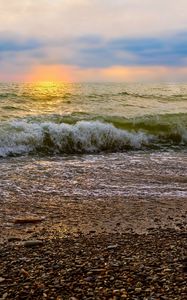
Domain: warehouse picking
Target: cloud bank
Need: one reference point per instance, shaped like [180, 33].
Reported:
[95, 38]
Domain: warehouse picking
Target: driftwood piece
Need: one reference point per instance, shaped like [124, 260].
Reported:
[28, 220]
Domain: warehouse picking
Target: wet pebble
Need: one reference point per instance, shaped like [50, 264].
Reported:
[32, 243]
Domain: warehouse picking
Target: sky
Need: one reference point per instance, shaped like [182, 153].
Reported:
[93, 40]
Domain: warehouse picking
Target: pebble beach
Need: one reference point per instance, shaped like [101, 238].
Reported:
[93, 197]
[79, 250]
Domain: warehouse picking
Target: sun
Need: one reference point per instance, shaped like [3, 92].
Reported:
[48, 75]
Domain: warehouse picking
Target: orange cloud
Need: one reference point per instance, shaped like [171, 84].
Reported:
[65, 73]
[132, 74]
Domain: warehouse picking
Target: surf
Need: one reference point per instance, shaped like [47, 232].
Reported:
[90, 134]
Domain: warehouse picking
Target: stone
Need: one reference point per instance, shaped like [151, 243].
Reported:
[5, 296]
[138, 290]
[167, 270]
[32, 243]
[2, 279]
[24, 273]
[110, 247]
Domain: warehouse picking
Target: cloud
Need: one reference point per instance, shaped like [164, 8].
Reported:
[109, 18]
[96, 51]
[8, 44]
[92, 35]
[74, 73]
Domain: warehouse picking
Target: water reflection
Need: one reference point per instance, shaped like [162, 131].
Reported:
[122, 100]
[35, 99]
[47, 90]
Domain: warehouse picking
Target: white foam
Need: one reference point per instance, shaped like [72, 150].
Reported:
[21, 137]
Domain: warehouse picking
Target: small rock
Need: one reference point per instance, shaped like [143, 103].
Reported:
[138, 289]
[32, 243]
[25, 273]
[96, 271]
[112, 247]
[139, 284]
[124, 296]
[56, 267]
[89, 278]
[116, 292]
[5, 296]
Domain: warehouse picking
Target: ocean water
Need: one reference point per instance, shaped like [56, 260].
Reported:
[93, 140]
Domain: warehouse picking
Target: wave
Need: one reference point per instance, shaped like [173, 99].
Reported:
[55, 136]
[8, 95]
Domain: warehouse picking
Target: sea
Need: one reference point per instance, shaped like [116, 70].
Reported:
[93, 140]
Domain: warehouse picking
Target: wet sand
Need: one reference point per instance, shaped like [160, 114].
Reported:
[128, 192]
[60, 216]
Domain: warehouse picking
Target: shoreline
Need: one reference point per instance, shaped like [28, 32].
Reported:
[58, 216]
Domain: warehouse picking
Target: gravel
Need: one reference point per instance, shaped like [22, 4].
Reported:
[114, 266]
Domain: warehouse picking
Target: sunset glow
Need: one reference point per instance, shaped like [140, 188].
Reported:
[48, 74]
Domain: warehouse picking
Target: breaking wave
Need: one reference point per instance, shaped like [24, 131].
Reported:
[22, 137]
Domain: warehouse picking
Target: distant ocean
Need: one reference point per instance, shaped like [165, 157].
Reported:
[100, 128]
